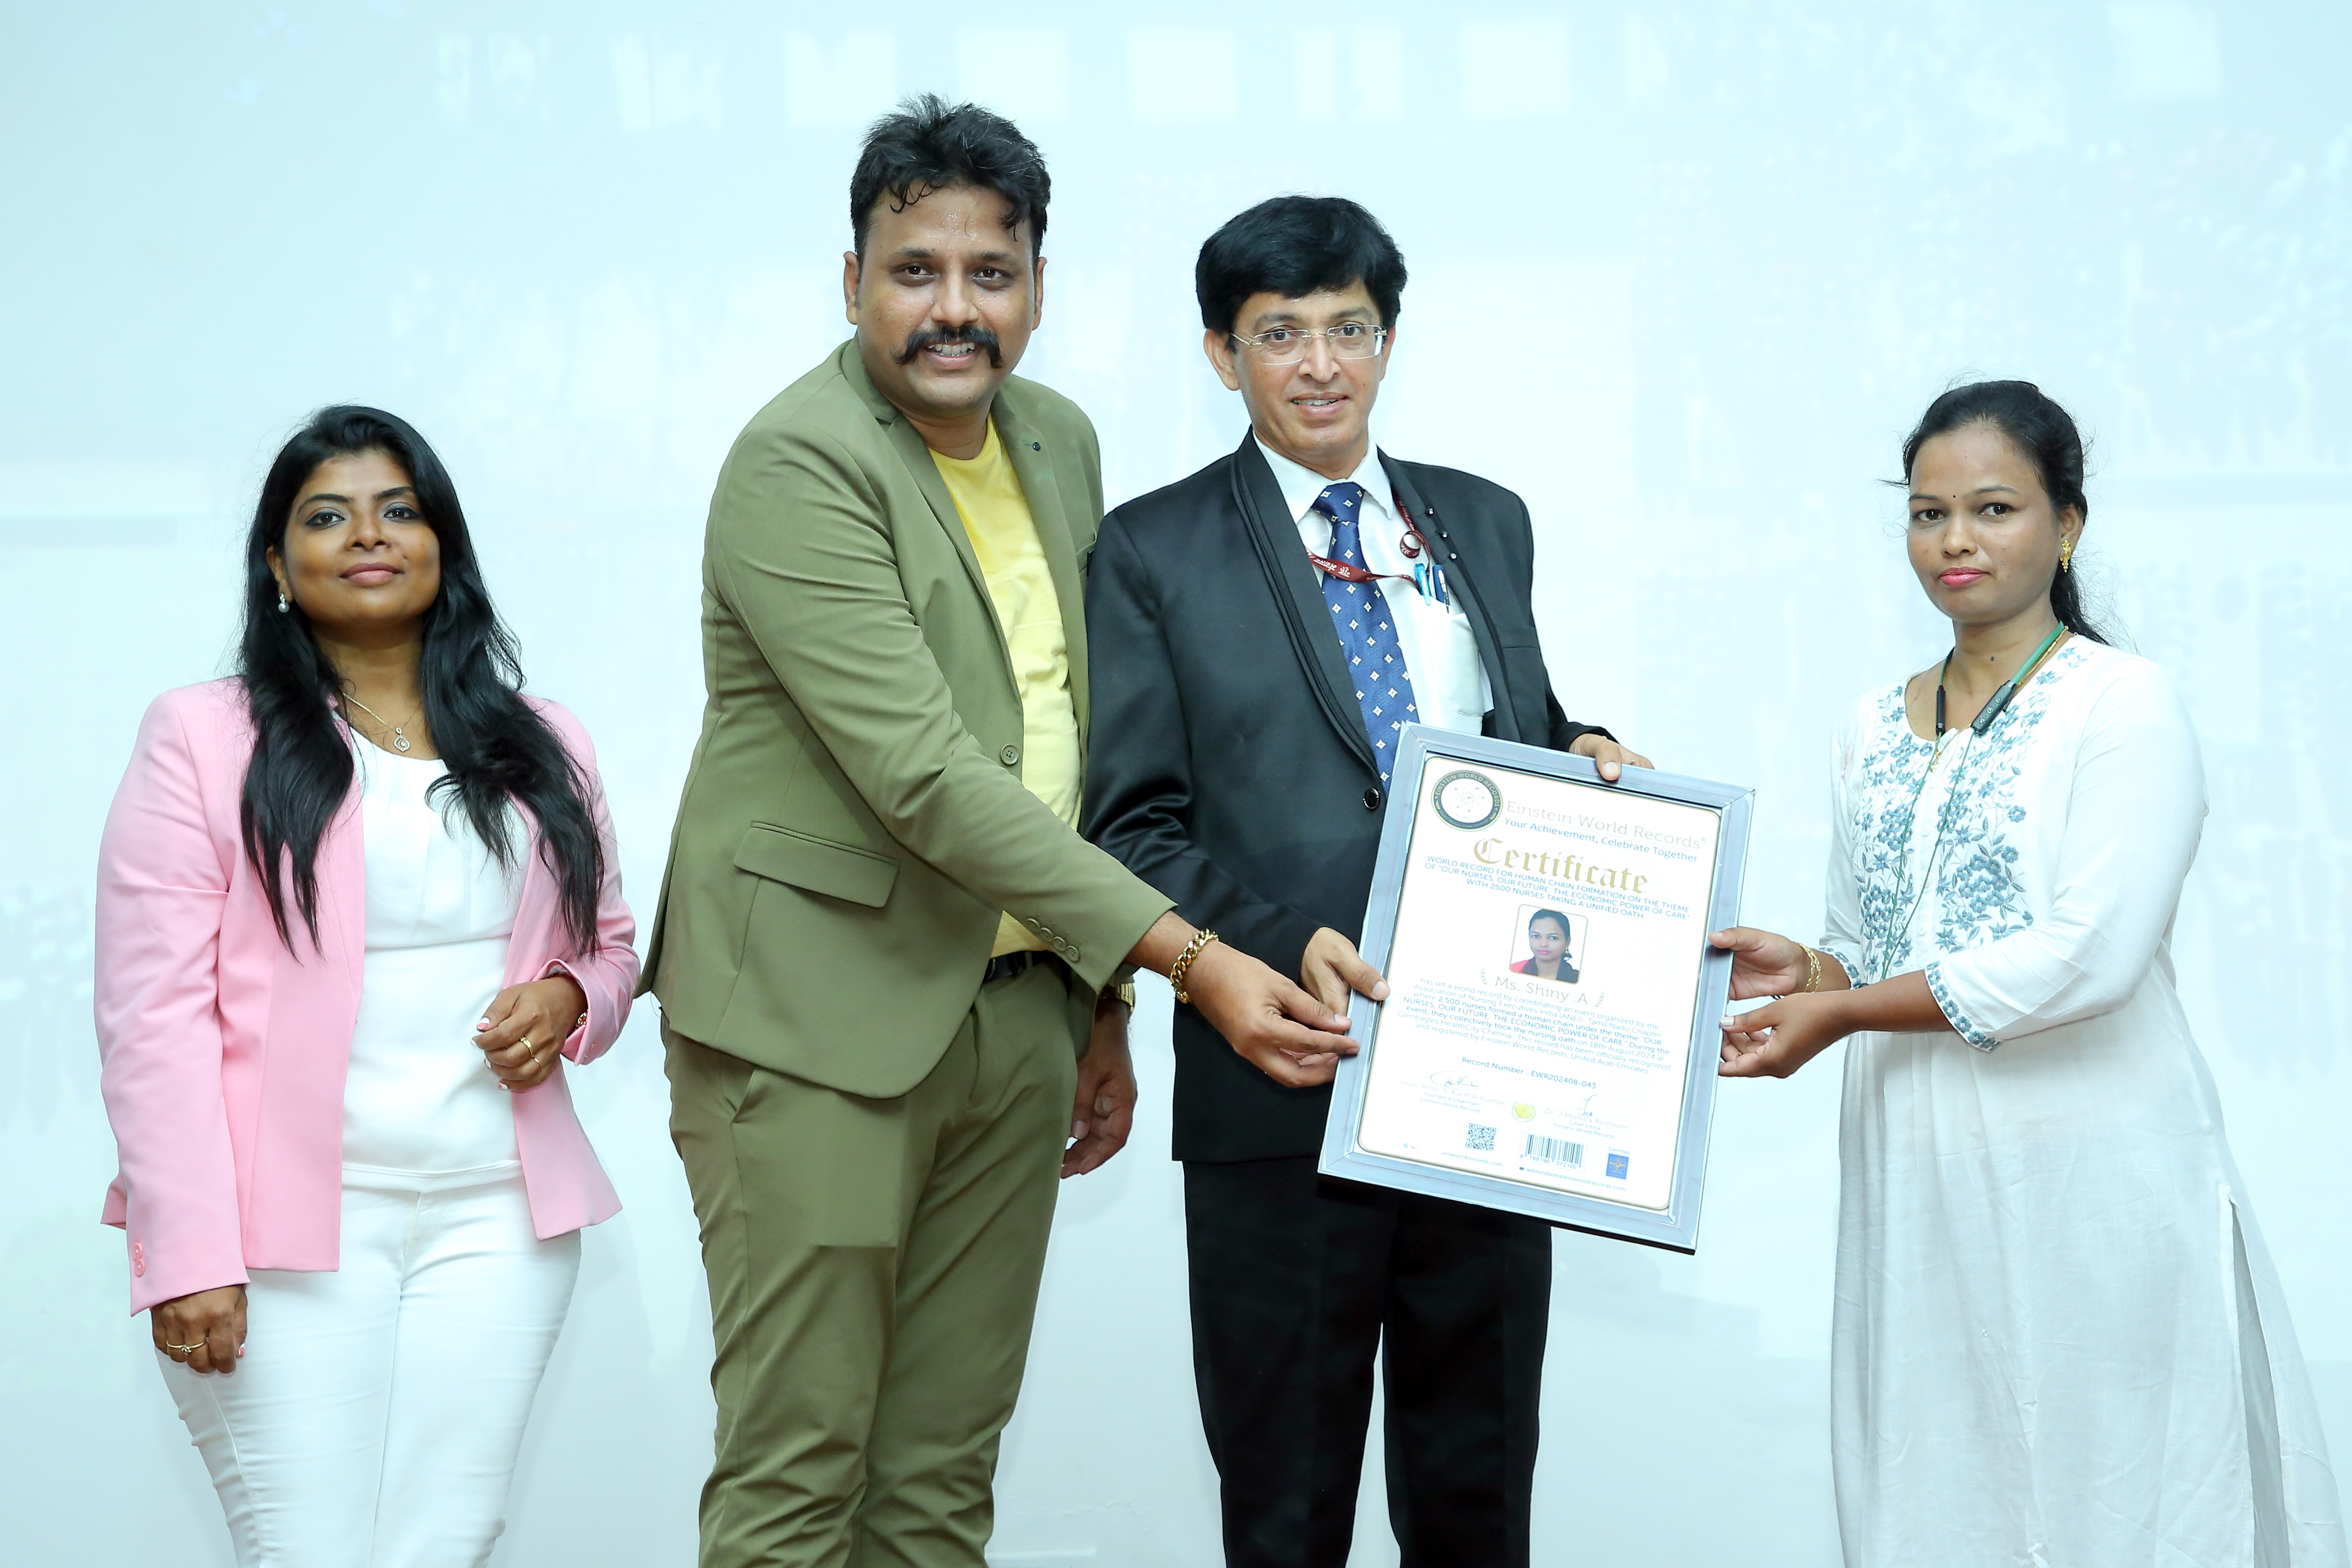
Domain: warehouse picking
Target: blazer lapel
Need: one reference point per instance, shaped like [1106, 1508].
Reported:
[1033, 462]
[538, 917]
[1463, 586]
[1306, 613]
[908, 443]
[342, 869]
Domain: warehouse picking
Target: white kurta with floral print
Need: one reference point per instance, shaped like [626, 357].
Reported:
[2059, 1341]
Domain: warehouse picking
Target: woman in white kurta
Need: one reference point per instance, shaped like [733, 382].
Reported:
[2059, 1341]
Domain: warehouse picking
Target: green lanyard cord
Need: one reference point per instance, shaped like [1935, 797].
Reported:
[1994, 706]
[2007, 690]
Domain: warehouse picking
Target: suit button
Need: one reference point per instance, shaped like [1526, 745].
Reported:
[1010, 755]
[138, 1259]
[1371, 800]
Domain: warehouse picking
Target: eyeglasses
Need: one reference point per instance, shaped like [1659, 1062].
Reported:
[1287, 345]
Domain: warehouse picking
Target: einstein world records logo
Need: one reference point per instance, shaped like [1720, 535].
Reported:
[1467, 799]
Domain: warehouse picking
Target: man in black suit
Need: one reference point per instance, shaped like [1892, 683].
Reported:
[1259, 632]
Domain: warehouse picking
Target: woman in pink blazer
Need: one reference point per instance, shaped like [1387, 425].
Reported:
[355, 908]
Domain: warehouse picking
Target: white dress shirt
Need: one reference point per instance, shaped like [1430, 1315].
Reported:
[1449, 687]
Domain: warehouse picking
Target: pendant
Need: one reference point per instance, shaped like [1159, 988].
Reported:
[399, 739]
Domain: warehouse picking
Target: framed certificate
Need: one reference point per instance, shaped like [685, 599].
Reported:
[1549, 1041]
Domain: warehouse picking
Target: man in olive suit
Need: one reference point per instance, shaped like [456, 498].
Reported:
[889, 968]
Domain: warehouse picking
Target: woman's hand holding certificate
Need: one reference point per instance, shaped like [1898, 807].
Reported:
[1798, 1025]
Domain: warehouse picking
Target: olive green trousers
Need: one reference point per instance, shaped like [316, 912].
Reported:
[873, 1268]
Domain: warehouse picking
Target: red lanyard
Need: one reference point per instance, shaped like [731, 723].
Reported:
[1411, 543]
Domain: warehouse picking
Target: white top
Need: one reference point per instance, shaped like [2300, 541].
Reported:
[2048, 1273]
[421, 1098]
[1449, 687]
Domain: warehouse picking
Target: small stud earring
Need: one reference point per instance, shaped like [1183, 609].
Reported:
[284, 604]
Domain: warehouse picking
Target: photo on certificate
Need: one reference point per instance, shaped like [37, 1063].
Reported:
[1549, 1041]
[1552, 942]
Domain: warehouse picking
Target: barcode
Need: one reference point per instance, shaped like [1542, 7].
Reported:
[1481, 1137]
[1554, 1151]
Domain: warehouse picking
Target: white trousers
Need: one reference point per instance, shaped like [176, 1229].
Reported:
[374, 1420]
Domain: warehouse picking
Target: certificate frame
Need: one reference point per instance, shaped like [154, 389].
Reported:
[1675, 1227]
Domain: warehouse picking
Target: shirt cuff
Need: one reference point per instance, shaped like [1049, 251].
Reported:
[1962, 1024]
[1850, 962]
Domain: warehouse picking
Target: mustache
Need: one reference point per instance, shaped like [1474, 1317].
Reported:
[934, 337]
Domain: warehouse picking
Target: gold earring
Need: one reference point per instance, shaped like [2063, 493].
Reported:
[2066, 556]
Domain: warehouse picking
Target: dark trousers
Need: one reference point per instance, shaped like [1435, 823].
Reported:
[1296, 1280]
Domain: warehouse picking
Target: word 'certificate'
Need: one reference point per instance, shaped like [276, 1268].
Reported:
[1548, 964]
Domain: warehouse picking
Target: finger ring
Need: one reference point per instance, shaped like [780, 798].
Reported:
[525, 1043]
[184, 1350]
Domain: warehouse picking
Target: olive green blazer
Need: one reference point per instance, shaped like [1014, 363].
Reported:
[854, 818]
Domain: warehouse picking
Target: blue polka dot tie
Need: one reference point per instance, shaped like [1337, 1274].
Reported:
[1368, 634]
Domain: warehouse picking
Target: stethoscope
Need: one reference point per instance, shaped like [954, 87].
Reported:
[1994, 707]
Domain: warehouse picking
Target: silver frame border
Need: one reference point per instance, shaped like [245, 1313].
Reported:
[1676, 1228]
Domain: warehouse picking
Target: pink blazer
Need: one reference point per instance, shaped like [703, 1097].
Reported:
[222, 1055]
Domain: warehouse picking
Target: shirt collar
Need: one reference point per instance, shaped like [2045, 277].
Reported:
[1301, 484]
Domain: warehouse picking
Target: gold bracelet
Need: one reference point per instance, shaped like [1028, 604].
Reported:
[1813, 968]
[1183, 965]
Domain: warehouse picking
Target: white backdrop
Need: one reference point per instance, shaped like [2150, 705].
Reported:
[1683, 281]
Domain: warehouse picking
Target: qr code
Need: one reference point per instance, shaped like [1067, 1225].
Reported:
[1481, 1137]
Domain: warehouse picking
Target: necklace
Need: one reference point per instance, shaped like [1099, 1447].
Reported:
[399, 731]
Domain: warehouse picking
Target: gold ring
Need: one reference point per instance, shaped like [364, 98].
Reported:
[185, 1350]
[525, 1043]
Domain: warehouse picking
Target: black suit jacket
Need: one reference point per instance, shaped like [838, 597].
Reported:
[1228, 765]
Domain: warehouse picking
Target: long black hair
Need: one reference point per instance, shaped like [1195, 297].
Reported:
[2044, 433]
[497, 748]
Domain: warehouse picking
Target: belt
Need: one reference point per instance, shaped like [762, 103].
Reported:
[1006, 965]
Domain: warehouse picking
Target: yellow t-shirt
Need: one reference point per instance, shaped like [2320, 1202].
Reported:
[1003, 535]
